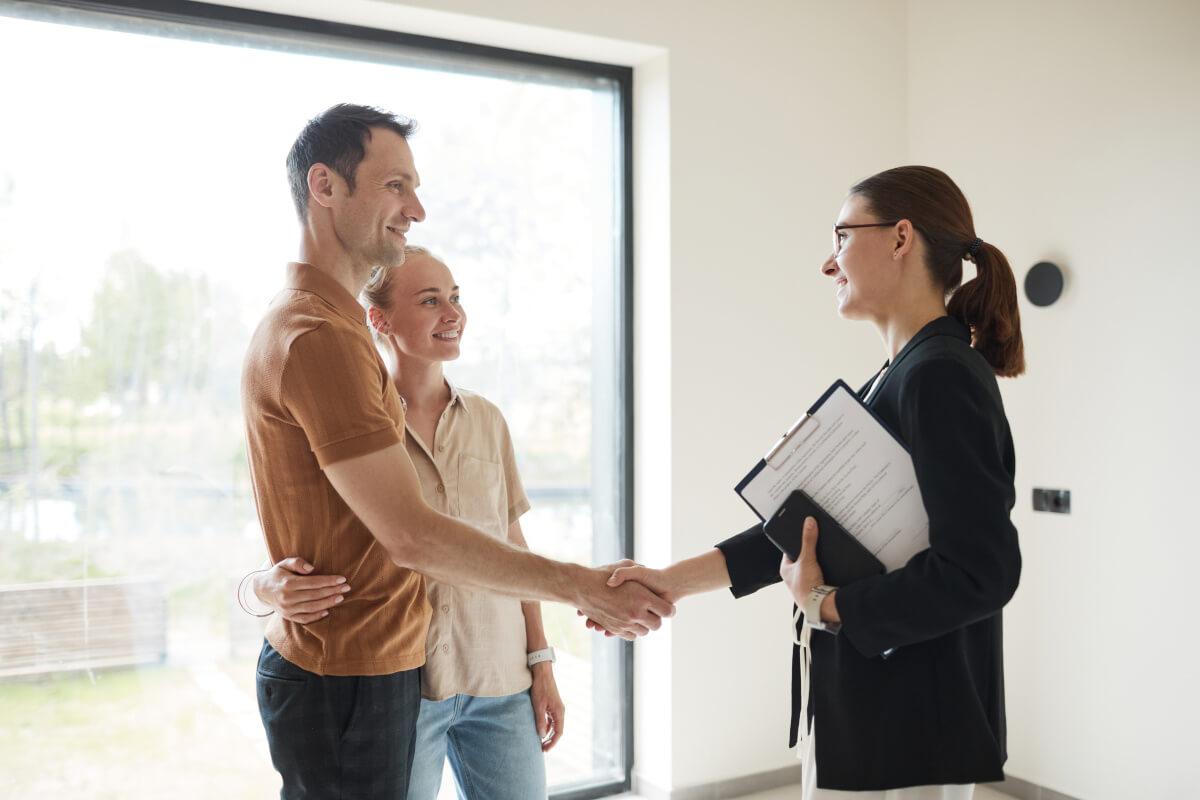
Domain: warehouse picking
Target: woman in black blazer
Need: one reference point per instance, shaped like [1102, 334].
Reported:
[907, 685]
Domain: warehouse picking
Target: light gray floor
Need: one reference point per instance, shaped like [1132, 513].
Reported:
[792, 792]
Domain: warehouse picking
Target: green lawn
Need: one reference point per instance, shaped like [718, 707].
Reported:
[150, 732]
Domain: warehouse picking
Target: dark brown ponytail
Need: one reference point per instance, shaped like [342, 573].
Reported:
[938, 210]
[987, 304]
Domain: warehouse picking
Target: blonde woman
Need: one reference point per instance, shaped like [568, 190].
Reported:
[489, 699]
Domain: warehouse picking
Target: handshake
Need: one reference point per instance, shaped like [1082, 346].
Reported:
[640, 597]
[626, 599]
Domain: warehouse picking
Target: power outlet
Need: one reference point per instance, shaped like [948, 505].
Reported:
[1054, 500]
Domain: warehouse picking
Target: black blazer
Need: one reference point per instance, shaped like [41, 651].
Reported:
[933, 711]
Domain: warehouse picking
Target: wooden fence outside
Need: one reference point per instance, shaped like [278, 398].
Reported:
[66, 626]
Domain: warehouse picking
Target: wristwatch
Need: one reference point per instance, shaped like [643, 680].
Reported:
[812, 610]
[538, 656]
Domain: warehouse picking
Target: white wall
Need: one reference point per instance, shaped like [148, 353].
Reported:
[1074, 128]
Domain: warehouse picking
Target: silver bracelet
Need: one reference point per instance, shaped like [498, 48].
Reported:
[243, 600]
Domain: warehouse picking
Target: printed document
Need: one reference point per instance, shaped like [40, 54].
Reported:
[852, 466]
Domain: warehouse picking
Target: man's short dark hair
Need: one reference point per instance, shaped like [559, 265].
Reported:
[337, 138]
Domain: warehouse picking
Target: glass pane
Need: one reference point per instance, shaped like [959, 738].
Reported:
[144, 224]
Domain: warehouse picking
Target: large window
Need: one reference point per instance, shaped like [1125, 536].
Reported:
[144, 225]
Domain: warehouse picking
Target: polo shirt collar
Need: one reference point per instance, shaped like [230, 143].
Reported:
[307, 278]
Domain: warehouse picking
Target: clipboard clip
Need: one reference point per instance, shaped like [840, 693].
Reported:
[808, 423]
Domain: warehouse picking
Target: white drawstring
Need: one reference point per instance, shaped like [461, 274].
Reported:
[805, 671]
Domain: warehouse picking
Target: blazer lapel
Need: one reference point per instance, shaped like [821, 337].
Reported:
[942, 326]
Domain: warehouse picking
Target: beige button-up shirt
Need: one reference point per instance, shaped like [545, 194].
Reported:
[476, 642]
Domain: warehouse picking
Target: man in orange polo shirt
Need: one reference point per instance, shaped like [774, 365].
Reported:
[334, 484]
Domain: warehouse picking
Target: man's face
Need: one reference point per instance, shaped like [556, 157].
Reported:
[371, 222]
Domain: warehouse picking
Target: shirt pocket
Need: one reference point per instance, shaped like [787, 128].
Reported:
[482, 497]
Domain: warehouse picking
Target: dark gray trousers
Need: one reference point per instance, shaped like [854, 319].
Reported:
[338, 737]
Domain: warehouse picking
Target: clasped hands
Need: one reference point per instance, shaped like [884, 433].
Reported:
[708, 572]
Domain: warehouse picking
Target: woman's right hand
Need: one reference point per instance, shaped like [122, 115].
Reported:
[702, 573]
[656, 580]
[653, 579]
[295, 594]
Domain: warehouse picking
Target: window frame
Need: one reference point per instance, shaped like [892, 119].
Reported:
[263, 23]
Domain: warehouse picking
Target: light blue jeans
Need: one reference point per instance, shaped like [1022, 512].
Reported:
[492, 744]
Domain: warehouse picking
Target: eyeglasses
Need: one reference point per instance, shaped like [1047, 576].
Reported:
[837, 229]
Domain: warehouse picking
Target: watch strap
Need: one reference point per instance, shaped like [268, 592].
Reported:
[538, 656]
[812, 609]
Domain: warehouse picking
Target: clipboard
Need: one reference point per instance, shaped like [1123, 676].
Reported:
[853, 474]
[795, 437]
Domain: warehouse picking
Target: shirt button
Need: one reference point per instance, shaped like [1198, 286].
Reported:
[441, 448]
[445, 609]
[445, 648]
[441, 489]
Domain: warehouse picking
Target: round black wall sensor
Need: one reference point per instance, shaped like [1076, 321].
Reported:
[1043, 283]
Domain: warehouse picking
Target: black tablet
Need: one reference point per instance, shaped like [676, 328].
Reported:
[843, 558]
